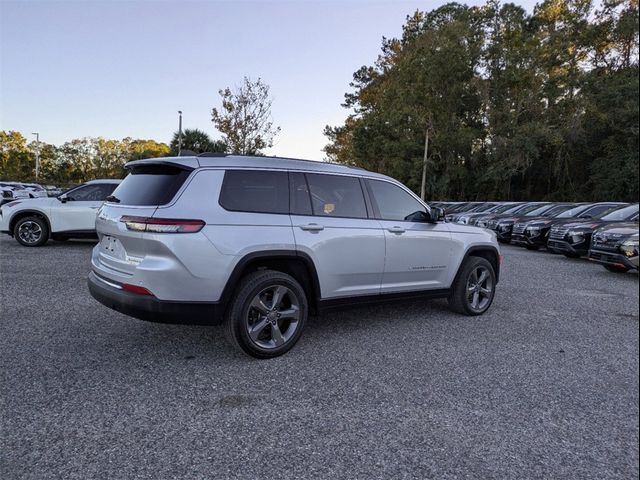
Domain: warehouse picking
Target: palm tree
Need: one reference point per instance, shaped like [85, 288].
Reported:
[197, 141]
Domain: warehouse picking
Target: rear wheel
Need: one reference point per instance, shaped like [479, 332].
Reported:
[31, 232]
[267, 314]
[474, 287]
[616, 269]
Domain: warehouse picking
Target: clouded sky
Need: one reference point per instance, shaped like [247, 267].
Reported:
[118, 69]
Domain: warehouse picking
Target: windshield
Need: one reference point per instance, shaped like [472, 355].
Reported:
[572, 212]
[505, 208]
[536, 210]
[558, 209]
[622, 214]
[483, 208]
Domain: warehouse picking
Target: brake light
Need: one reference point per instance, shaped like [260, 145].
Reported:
[136, 289]
[162, 225]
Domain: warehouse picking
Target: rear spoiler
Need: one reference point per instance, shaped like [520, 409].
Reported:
[185, 163]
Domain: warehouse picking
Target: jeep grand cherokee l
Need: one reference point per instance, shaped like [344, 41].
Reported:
[260, 242]
[574, 239]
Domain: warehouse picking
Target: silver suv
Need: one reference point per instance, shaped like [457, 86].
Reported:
[261, 242]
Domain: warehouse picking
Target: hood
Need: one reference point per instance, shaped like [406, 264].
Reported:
[42, 202]
[622, 229]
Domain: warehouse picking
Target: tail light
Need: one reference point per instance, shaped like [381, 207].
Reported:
[162, 225]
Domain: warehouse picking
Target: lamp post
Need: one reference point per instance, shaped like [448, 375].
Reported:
[37, 153]
[179, 132]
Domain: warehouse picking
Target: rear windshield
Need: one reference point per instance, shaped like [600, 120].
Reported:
[150, 185]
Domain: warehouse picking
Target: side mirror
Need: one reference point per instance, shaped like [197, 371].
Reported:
[437, 215]
[63, 198]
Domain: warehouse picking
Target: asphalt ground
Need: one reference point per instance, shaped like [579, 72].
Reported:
[545, 385]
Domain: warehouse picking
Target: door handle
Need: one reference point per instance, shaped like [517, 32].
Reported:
[312, 227]
[397, 230]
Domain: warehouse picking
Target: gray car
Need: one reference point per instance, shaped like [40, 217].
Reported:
[260, 242]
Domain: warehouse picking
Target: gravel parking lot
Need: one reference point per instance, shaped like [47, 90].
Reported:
[544, 385]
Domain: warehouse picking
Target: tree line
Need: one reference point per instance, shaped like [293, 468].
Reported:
[516, 105]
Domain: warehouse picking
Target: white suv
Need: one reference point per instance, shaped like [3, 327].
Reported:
[70, 215]
[263, 241]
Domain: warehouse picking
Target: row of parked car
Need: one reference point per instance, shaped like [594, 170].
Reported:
[10, 191]
[605, 232]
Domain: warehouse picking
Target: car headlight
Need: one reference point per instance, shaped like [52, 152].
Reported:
[503, 227]
[576, 236]
[630, 248]
[533, 229]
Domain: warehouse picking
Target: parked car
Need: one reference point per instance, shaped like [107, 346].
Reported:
[34, 190]
[489, 220]
[10, 191]
[503, 226]
[70, 215]
[262, 241]
[498, 208]
[573, 239]
[615, 246]
[533, 234]
[480, 208]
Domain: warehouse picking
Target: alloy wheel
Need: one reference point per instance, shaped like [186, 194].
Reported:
[30, 232]
[479, 289]
[273, 317]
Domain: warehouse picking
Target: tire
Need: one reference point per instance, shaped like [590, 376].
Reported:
[615, 269]
[571, 255]
[462, 299]
[251, 316]
[31, 232]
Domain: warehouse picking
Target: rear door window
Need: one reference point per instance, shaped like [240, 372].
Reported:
[151, 185]
[259, 191]
[336, 196]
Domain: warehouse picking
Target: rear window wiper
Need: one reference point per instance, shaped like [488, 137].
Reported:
[112, 198]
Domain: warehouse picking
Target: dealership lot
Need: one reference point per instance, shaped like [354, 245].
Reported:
[544, 384]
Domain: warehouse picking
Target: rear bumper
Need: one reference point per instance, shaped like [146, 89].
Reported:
[612, 258]
[149, 308]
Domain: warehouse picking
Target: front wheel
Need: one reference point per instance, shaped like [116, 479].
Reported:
[474, 287]
[31, 232]
[267, 314]
[616, 269]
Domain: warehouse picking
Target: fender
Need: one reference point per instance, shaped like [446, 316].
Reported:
[25, 213]
[483, 248]
[271, 256]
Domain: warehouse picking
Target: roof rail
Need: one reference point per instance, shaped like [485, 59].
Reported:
[212, 154]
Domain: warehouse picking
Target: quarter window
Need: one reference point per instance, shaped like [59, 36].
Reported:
[393, 202]
[336, 196]
[259, 191]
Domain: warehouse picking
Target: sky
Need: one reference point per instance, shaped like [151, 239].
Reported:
[124, 68]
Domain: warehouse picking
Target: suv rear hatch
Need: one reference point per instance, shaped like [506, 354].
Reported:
[120, 223]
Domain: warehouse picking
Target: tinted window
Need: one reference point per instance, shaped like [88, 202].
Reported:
[259, 191]
[91, 193]
[300, 199]
[336, 196]
[393, 202]
[151, 185]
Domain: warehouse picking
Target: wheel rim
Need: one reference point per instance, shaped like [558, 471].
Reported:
[273, 317]
[30, 232]
[479, 289]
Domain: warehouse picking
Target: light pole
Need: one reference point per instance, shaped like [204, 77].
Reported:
[37, 153]
[179, 132]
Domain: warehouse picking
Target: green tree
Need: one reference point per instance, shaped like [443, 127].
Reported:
[244, 118]
[197, 141]
[17, 161]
